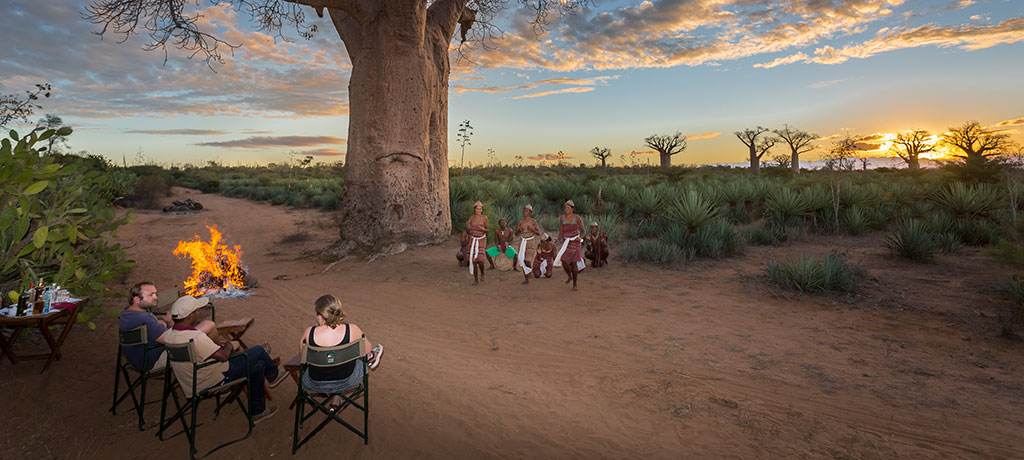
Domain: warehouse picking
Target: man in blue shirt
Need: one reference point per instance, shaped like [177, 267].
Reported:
[142, 298]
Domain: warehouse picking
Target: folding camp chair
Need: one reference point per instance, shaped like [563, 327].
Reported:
[332, 357]
[125, 370]
[186, 353]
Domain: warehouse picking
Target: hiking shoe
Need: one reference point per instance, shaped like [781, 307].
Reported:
[373, 359]
[281, 376]
[267, 413]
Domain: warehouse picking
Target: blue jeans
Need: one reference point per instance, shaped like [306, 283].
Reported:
[260, 367]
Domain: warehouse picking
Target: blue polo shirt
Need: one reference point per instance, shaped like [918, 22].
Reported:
[130, 319]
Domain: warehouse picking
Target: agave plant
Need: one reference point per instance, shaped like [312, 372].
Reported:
[804, 274]
[646, 205]
[787, 208]
[912, 240]
[855, 220]
[976, 232]
[650, 250]
[692, 211]
[967, 202]
[807, 274]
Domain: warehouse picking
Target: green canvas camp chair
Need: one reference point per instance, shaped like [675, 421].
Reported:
[186, 353]
[125, 370]
[331, 357]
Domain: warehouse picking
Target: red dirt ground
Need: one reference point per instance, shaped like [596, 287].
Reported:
[706, 362]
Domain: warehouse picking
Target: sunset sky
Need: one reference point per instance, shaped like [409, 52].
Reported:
[609, 76]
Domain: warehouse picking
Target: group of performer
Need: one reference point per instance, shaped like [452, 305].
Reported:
[536, 253]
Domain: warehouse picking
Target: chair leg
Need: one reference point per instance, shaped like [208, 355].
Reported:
[142, 397]
[117, 381]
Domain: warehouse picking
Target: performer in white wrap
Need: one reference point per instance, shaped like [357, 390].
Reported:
[476, 226]
[570, 256]
[528, 230]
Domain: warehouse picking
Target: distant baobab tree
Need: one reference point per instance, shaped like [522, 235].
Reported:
[602, 153]
[756, 145]
[910, 145]
[666, 146]
[781, 160]
[799, 143]
[396, 172]
[975, 144]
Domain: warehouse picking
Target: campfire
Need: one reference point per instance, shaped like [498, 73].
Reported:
[217, 269]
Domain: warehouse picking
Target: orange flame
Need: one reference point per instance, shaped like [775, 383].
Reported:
[215, 266]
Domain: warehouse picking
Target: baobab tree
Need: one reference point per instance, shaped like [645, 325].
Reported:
[910, 145]
[799, 143]
[666, 146]
[975, 145]
[396, 171]
[602, 153]
[756, 145]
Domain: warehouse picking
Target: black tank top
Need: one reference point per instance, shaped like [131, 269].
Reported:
[323, 374]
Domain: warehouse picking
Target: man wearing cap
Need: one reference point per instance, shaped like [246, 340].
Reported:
[476, 226]
[142, 299]
[528, 230]
[570, 232]
[261, 366]
[597, 246]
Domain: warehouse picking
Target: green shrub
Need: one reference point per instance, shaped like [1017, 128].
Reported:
[767, 234]
[691, 210]
[967, 202]
[56, 223]
[947, 242]
[645, 205]
[976, 232]
[787, 208]
[807, 274]
[1008, 252]
[912, 240]
[1015, 315]
[855, 220]
[650, 250]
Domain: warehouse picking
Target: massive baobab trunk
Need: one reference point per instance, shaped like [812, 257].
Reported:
[396, 172]
[666, 160]
[755, 161]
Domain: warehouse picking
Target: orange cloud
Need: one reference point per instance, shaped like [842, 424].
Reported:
[323, 152]
[259, 142]
[1019, 121]
[703, 136]
[179, 132]
[582, 89]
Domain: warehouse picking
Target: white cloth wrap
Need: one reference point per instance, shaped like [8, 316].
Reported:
[522, 250]
[474, 250]
[543, 267]
[580, 265]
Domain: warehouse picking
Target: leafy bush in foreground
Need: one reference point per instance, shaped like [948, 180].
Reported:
[56, 222]
[807, 274]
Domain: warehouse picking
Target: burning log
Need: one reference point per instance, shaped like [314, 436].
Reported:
[216, 268]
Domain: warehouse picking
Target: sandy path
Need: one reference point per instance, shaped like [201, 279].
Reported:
[643, 363]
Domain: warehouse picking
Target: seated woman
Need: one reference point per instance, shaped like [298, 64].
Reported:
[331, 331]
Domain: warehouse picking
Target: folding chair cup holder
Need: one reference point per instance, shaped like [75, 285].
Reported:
[186, 353]
[324, 357]
[124, 371]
